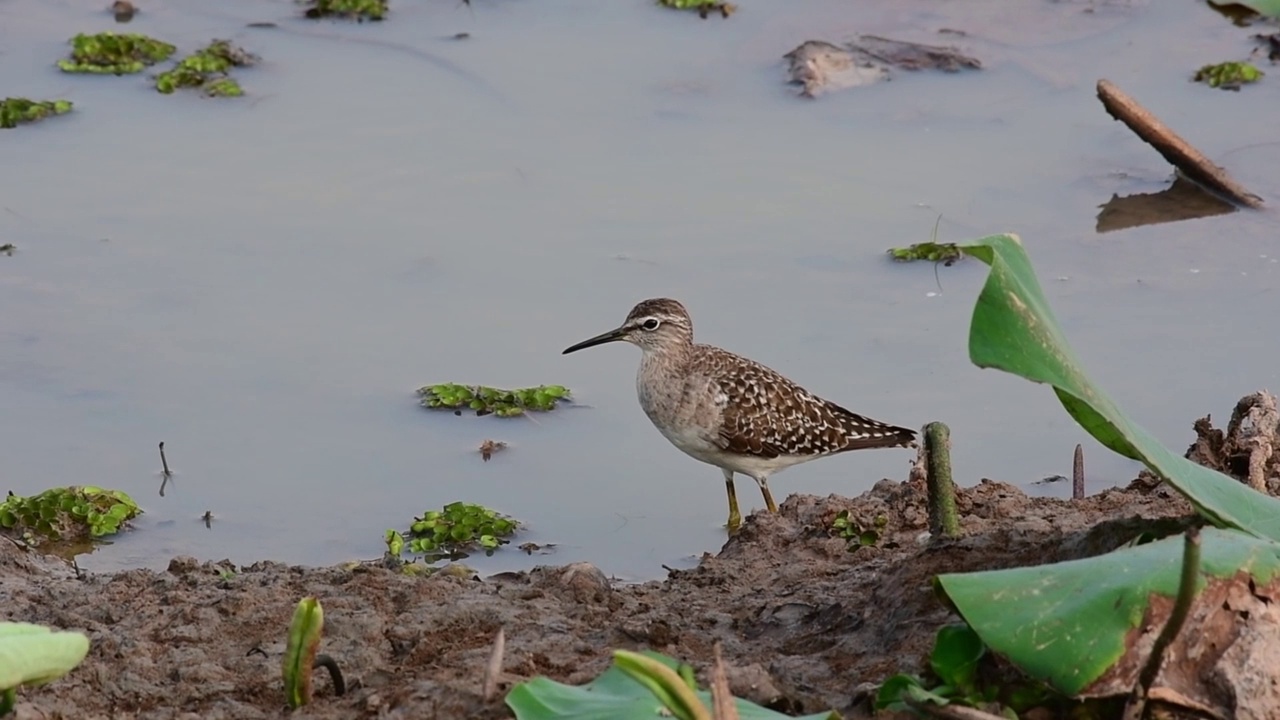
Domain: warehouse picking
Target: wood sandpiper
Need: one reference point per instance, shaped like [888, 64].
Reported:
[731, 412]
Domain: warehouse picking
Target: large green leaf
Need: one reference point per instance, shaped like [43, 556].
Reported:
[1014, 330]
[34, 654]
[1066, 623]
[1270, 8]
[614, 696]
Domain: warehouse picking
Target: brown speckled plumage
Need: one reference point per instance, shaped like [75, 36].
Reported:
[735, 413]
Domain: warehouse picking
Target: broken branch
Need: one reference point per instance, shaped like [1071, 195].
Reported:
[1171, 146]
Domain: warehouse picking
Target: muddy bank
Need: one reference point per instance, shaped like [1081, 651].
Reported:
[803, 621]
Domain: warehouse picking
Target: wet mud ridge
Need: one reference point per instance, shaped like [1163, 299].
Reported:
[803, 621]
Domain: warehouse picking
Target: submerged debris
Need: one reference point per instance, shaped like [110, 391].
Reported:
[1228, 75]
[359, 10]
[109, 53]
[821, 66]
[8, 249]
[704, 7]
[15, 111]
[489, 447]
[207, 69]
[485, 400]
[123, 10]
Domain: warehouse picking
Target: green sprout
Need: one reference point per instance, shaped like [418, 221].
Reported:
[1228, 75]
[300, 657]
[945, 253]
[450, 532]
[847, 527]
[15, 111]
[34, 655]
[485, 400]
[355, 9]
[70, 513]
[109, 53]
[207, 69]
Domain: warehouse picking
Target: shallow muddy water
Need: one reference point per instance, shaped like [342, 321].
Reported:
[262, 283]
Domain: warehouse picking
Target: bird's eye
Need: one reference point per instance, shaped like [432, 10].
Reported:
[650, 324]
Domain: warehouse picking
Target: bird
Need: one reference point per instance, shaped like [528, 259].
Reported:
[726, 410]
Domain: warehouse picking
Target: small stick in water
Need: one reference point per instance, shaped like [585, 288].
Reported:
[164, 462]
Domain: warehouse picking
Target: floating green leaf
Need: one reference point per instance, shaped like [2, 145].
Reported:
[1014, 330]
[703, 7]
[34, 655]
[616, 696]
[15, 111]
[300, 652]
[70, 513]
[109, 53]
[485, 400]
[207, 69]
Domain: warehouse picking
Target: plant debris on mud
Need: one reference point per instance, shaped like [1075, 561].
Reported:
[16, 111]
[109, 53]
[485, 400]
[207, 69]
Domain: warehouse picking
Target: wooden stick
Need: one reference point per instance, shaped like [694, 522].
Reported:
[1173, 148]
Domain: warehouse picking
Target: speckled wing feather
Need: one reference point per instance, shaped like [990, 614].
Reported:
[766, 415]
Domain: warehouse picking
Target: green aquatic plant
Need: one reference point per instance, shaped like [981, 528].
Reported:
[451, 531]
[703, 7]
[485, 400]
[34, 655]
[207, 69]
[1228, 75]
[109, 53]
[954, 664]
[15, 111]
[945, 253]
[355, 9]
[638, 685]
[849, 528]
[70, 513]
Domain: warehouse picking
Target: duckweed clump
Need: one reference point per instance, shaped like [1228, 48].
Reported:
[1228, 75]
[354, 9]
[452, 531]
[485, 400]
[703, 7]
[207, 69]
[109, 53]
[945, 253]
[15, 111]
[69, 513]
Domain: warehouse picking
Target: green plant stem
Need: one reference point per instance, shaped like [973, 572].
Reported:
[1188, 588]
[8, 698]
[943, 521]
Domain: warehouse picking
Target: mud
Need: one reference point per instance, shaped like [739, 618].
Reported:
[803, 621]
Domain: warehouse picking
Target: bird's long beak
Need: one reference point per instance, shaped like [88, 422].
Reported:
[612, 336]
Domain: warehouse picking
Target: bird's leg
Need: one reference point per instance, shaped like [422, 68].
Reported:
[763, 482]
[735, 517]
